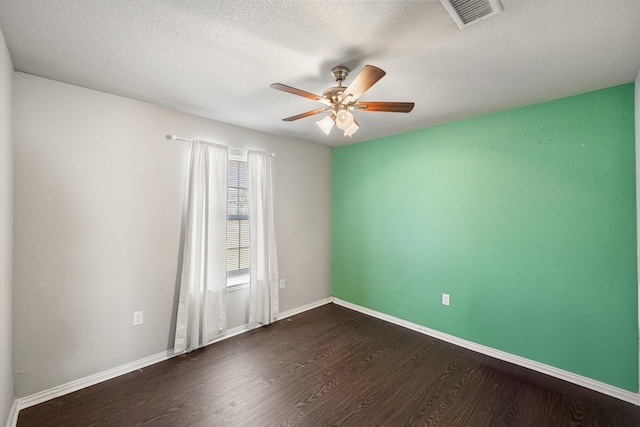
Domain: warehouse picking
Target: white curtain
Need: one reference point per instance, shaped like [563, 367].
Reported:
[202, 301]
[264, 290]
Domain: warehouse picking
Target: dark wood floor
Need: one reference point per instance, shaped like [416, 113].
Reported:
[332, 366]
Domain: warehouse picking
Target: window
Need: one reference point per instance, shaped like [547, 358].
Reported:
[238, 259]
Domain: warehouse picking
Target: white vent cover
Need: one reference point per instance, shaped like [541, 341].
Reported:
[467, 12]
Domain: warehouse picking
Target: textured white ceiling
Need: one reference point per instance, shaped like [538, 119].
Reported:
[217, 58]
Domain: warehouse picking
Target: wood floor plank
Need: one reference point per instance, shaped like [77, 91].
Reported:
[332, 366]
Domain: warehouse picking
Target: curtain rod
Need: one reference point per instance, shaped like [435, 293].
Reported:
[179, 138]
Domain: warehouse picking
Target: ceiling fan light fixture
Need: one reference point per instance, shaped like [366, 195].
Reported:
[326, 124]
[344, 119]
[352, 129]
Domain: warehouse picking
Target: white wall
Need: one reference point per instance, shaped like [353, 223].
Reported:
[98, 206]
[6, 232]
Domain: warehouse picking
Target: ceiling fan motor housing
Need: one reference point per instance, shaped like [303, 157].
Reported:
[334, 94]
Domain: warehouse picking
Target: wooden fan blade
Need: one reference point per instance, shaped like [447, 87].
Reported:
[363, 81]
[300, 92]
[303, 115]
[392, 107]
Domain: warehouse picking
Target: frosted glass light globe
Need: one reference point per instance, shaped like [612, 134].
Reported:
[344, 119]
[325, 124]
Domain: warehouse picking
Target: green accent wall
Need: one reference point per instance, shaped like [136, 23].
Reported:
[527, 218]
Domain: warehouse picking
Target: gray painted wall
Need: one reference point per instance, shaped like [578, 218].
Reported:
[6, 232]
[98, 204]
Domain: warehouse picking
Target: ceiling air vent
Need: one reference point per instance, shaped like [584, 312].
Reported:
[467, 12]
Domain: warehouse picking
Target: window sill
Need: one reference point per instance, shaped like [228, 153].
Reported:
[238, 283]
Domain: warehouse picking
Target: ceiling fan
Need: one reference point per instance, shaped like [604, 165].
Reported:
[340, 101]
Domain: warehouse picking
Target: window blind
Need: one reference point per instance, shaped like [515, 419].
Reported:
[238, 257]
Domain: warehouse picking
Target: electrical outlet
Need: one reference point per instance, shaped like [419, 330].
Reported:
[283, 284]
[137, 318]
[445, 299]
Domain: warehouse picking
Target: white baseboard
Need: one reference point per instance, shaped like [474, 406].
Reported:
[70, 387]
[598, 386]
[305, 307]
[230, 333]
